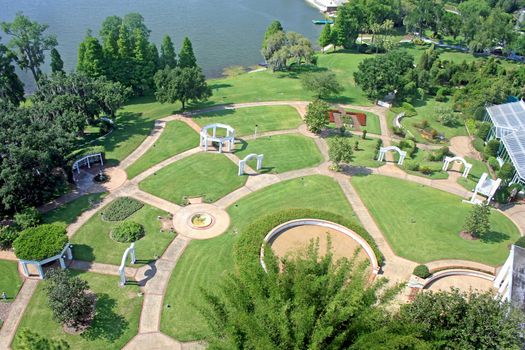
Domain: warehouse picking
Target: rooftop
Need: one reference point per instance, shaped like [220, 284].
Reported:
[515, 145]
[508, 115]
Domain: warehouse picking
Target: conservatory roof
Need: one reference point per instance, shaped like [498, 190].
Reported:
[515, 146]
[508, 115]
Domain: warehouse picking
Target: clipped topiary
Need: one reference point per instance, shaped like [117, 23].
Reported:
[127, 232]
[520, 242]
[40, 242]
[121, 208]
[421, 271]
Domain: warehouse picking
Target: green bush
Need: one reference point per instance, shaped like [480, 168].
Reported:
[121, 208]
[398, 131]
[40, 242]
[426, 170]
[421, 271]
[483, 130]
[27, 218]
[520, 242]
[494, 164]
[127, 232]
[379, 144]
[247, 247]
[441, 94]
[409, 110]
[506, 172]
[479, 144]
[8, 234]
[411, 165]
[492, 147]
[438, 155]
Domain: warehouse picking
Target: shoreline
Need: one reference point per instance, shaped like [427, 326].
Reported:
[317, 4]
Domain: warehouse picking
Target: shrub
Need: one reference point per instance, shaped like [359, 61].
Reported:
[68, 298]
[8, 234]
[340, 150]
[494, 164]
[423, 124]
[421, 271]
[379, 144]
[409, 110]
[479, 144]
[483, 130]
[441, 94]
[398, 131]
[411, 165]
[438, 155]
[492, 147]
[520, 242]
[40, 242]
[28, 340]
[28, 217]
[363, 136]
[409, 146]
[247, 247]
[477, 222]
[127, 232]
[426, 170]
[448, 118]
[506, 172]
[121, 208]
[317, 116]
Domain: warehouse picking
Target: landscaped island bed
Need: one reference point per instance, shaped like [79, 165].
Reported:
[423, 224]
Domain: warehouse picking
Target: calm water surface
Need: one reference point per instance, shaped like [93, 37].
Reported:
[223, 32]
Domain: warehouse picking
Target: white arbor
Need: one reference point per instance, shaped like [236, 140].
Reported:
[206, 137]
[249, 157]
[88, 160]
[466, 166]
[383, 150]
[122, 268]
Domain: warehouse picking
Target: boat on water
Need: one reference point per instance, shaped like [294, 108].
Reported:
[322, 21]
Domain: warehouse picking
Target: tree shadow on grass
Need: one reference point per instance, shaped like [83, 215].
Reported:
[83, 252]
[107, 324]
[494, 237]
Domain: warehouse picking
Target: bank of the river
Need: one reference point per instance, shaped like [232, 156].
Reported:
[224, 32]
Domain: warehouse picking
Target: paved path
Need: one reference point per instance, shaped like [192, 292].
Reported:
[8, 330]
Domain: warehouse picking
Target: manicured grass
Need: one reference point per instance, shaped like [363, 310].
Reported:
[282, 152]
[204, 263]
[243, 120]
[421, 157]
[372, 122]
[115, 323]
[366, 153]
[428, 110]
[176, 138]
[211, 175]
[92, 242]
[423, 224]
[10, 281]
[478, 168]
[69, 212]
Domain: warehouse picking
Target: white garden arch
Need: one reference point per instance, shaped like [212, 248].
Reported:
[122, 268]
[88, 160]
[486, 187]
[206, 137]
[466, 165]
[249, 157]
[383, 150]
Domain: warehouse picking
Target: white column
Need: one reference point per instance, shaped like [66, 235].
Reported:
[62, 264]
[69, 253]
[241, 168]
[40, 271]
[132, 251]
[259, 161]
[24, 268]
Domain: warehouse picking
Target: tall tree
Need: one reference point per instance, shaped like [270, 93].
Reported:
[91, 57]
[326, 38]
[11, 88]
[181, 84]
[167, 53]
[134, 21]
[30, 41]
[347, 25]
[57, 65]
[186, 56]
[477, 222]
[109, 34]
[273, 28]
[317, 116]
[144, 67]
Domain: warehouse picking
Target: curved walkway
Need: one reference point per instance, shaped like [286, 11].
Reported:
[154, 277]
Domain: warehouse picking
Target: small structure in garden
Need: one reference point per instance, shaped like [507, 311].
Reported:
[510, 281]
[466, 166]
[201, 220]
[249, 157]
[206, 137]
[486, 187]
[66, 253]
[88, 160]
[122, 269]
[383, 150]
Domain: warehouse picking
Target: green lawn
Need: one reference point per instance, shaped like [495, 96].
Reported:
[428, 110]
[423, 224]
[69, 212]
[478, 168]
[365, 154]
[176, 138]
[204, 263]
[372, 122]
[10, 282]
[421, 157]
[211, 175]
[116, 320]
[243, 120]
[282, 152]
[92, 242]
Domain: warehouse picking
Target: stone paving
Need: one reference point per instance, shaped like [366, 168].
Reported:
[153, 278]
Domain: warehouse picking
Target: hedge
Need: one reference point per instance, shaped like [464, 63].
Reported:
[40, 242]
[421, 271]
[121, 208]
[127, 232]
[247, 247]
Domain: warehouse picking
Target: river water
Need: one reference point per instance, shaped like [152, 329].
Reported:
[223, 32]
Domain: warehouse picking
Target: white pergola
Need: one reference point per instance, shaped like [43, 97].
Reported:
[486, 187]
[122, 269]
[65, 253]
[383, 150]
[466, 165]
[206, 137]
[249, 157]
[88, 160]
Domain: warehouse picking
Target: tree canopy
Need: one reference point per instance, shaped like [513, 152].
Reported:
[181, 84]
[11, 88]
